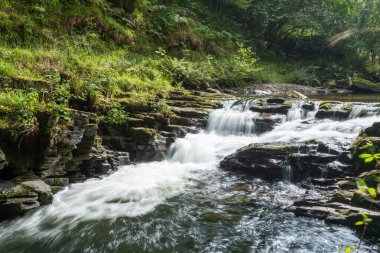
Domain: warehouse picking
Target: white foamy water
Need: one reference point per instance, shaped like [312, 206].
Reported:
[298, 112]
[136, 190]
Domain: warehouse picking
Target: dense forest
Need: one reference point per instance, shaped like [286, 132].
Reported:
[189, 126]
[97, 55]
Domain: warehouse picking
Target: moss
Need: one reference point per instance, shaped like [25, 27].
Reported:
[365, 85]
[261, 102]
[288, 104]
[363, 113]
[72, 168]
[325, 106]
[141, 133]
[18, 192]
[347, 107]
[365, 145]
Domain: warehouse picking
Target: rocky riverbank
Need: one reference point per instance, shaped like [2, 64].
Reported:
[61, 152]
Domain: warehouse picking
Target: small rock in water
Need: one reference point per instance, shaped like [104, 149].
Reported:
[295, 94]
[241, 187]
[217, 217]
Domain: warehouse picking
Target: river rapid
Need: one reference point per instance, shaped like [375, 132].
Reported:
[186, 203]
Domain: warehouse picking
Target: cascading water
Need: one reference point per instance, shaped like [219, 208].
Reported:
[302, 110]
[167, 206]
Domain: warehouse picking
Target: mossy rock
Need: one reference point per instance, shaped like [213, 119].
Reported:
[363, 113]
[365, 145]
[272, 108]
[363, 199]
[57, 181]
[372, 131]
[141, 133]
[325, 106]
[19, 191]
[334, 110]
[365, 85]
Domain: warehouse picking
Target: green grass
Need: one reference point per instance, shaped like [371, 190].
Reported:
[93, 56]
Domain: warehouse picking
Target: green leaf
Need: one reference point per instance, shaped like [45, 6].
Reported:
[369, 159]
[364, 156]
[377, 156]
[359, 223]
[365, 216]
[367, 220]
[361, 184]
[372, 192]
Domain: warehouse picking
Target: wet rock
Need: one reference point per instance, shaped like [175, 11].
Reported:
[335, 212]
[241, 187]
[309, 106]
[275, 100]
[333, 110]
[189, 112]
[270, 161]
[239, 201]
[266, 123]
[372, 131]
[295, 94]
[182, 121]
[154, 150]
[118, 158]
[272, 108]
[43, 190]
[16, 200]
[263, 160]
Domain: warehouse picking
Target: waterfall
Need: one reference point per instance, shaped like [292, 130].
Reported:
[302, 109]
[167, 189]
[233, 119]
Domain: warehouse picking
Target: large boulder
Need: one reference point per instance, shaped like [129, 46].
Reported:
[334, 110]
[296, 161]
[16, 200]
[262, 160]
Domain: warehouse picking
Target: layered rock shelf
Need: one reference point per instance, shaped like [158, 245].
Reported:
[61, 152]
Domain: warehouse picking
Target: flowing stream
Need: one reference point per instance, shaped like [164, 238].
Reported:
[186, 203]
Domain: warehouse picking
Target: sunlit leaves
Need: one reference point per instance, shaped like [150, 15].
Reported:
[359, 223]
[362, 185]
[368, 158]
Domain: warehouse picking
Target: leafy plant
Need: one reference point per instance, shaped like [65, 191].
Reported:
[116, 115]
[368, 158]
[162, 107]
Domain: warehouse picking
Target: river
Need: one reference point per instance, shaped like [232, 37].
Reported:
[186, 203]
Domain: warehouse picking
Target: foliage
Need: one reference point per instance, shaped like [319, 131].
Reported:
[362, 185]
[116, 115]
[162, 107]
